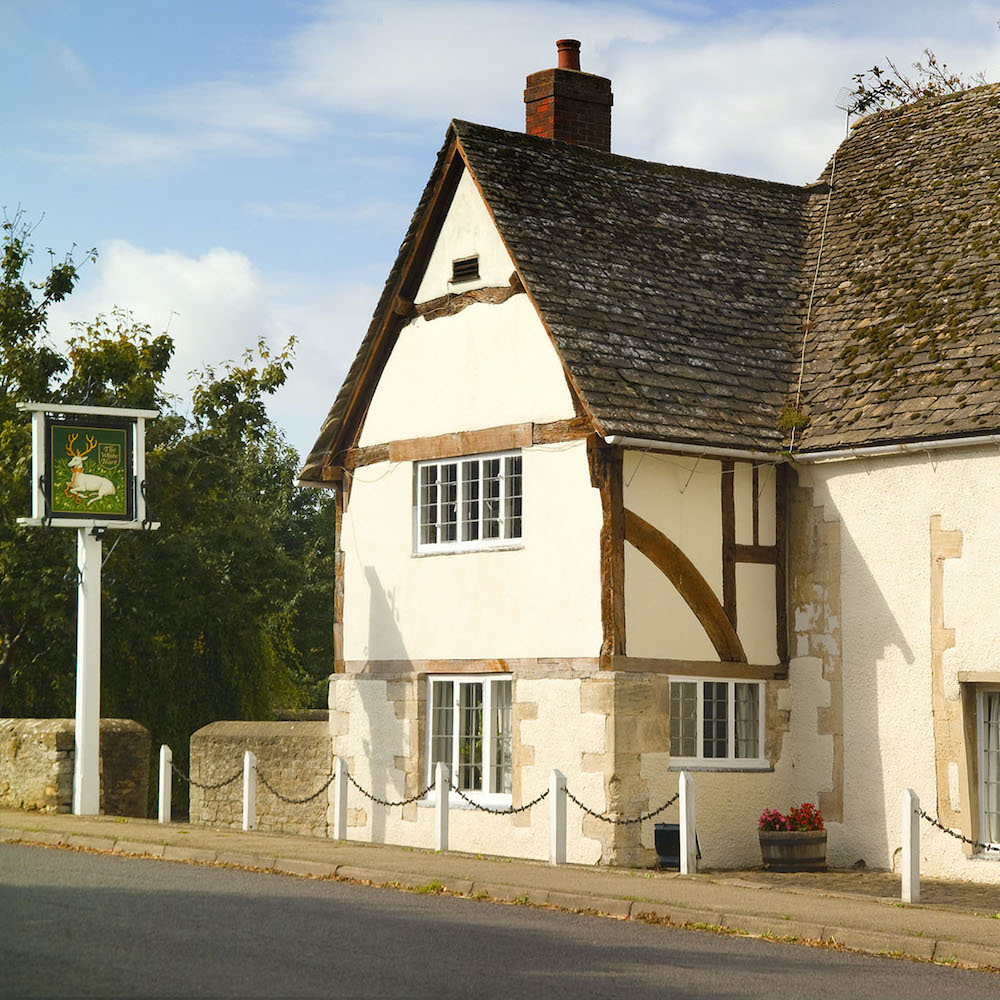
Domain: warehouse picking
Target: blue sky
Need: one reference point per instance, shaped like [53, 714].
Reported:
[248, 168]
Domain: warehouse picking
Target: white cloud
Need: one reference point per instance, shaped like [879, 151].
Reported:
[235, 108]
[449, 58]
[217, 305]
[749, 91]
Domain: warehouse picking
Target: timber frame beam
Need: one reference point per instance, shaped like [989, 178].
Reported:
[668, 558]
[461, 443]
[606, 476]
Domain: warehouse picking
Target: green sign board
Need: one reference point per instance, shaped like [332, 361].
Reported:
[88, 469]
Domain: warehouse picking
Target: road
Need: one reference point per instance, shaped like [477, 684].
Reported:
[77, 924]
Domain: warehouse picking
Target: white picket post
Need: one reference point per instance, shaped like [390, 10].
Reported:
[689, 843]
[557, 817]
[340, 800]
[442, 788]
[166, 782]
[249, 791]
[911, 847]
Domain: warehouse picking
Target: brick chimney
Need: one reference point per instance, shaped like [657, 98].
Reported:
[566, 104]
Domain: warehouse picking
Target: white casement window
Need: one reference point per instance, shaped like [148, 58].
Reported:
[717, 723]
[989, 764]
[467, 503]
[469, 731]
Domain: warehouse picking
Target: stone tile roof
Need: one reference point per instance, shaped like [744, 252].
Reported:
[671, 293]
[903, 342]
[679, 298]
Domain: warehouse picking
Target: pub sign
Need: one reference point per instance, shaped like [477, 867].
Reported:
[88, 468]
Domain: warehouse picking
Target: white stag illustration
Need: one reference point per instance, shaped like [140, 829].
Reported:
[82, 482]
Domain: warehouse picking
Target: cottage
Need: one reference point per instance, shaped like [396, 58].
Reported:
[642, 468]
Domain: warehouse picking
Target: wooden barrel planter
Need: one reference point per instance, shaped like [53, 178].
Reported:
[794, 850]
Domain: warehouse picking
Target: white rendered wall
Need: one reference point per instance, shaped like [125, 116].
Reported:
[375, 742]
[729, 802]
[687, 508]
[467, 230]
[537, 600]
[486, 366]
[884, 507]
[682, 497]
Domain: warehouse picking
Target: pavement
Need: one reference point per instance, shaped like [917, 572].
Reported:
[955, 923]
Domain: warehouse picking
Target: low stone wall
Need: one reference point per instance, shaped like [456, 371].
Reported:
[36, 765]
[294, 757]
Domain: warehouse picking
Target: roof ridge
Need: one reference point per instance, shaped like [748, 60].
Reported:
[586, 152]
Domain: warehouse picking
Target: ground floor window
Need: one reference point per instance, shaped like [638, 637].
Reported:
[989, 764]
[716, 721]
[469, 731]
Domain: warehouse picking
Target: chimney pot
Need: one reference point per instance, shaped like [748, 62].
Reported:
[569, 53]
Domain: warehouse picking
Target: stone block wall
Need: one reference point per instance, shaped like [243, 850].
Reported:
[294, 757]
[36, 765]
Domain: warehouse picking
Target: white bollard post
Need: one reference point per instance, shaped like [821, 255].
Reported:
[911, 847]
[689, 843]
[249, 791]
[166, 782]
[442, 788]
[340, 800]
[557, 817]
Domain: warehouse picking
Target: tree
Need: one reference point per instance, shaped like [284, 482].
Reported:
[226, 611]
[34, 609]
[877, 89]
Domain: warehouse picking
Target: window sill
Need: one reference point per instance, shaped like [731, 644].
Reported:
[454, 802]
[463, 550]
[700, 765]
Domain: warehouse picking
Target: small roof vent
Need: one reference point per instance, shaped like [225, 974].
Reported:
[465, 269]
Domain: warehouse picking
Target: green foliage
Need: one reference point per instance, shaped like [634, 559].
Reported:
[792, 418]
[223, 613]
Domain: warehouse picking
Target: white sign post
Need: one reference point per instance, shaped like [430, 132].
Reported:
[86, 770]
[121, 496]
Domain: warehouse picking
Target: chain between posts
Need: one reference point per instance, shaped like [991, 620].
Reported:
[384, 802]
[207, 788]
[295, 802]
[934, 821]
[615, 819]
[509, 811]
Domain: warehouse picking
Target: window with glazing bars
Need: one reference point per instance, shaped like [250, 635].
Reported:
[717, 721]
[468, 503]
[469, 731]
[989, 764]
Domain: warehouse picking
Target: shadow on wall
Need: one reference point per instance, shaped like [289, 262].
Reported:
[385, 641]
[834, 575]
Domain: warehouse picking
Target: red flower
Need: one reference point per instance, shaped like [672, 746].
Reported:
[803, 817]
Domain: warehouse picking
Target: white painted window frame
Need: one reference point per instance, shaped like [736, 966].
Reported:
[981, 691]
[731, 762]
[487, 796]
[479, 544]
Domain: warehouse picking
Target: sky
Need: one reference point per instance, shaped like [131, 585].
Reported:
[248, 168]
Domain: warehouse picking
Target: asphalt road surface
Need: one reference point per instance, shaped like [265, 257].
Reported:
[75, 924]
